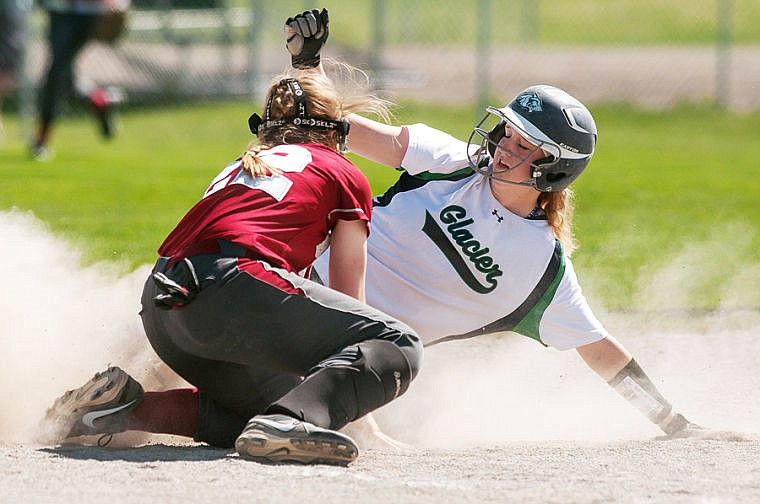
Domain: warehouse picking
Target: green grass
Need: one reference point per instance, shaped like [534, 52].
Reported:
[616, 22]
[669, 186]
[668, 192]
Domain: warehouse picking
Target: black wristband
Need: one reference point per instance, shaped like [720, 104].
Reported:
[305, 63]
[635, 386]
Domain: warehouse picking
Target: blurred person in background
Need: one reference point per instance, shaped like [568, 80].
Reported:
[13, 25]
[475, 237]
[71, 25]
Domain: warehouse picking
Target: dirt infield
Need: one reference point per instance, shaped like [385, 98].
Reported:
[673, 472]
[493, 419]
[500, 420]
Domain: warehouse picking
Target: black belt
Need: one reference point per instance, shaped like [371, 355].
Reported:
[175, 293]
[217, 246]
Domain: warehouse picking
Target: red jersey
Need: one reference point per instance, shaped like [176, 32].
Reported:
[283, 219]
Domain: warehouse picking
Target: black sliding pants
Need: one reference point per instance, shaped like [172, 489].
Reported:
[251, 348]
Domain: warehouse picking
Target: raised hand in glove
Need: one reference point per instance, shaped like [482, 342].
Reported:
[305, 34]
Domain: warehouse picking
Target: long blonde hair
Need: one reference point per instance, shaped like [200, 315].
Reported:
[325, 99]
[558, 207]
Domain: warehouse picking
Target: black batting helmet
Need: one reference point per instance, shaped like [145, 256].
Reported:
[552, 120]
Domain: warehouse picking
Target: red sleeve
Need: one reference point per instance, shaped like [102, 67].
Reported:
[354, 197]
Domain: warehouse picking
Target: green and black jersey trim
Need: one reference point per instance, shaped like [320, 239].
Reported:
[526, 318]
[407, 182]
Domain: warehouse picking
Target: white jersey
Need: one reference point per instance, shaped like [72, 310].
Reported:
[445, 257]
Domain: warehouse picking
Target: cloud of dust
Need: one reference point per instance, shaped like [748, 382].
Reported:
[61, 322]
[507, 388]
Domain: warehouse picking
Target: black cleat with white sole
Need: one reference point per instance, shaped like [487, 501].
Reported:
[100, 406]
[283, 439]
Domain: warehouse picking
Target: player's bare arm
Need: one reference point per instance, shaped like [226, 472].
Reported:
[606, 357]
[382, 143]
[348, 257]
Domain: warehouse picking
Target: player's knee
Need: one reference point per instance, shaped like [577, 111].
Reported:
[354, 382]
[386, 371]
[409, 344]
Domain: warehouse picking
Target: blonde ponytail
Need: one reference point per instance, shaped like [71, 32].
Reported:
[252, 163]
[558, 207]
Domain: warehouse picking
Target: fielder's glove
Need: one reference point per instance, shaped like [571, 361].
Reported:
[305, 34]
[172, 294]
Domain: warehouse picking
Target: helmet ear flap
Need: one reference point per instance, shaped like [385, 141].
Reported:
[253, 123]
[343, 128]
[495, 136]
[558, 175]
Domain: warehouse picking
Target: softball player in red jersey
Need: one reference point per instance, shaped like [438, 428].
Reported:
[280, 362]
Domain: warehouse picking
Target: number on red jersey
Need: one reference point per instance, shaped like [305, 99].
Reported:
[288, 158]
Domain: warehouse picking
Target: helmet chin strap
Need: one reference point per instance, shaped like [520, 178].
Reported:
[488, 173]
[488, 170]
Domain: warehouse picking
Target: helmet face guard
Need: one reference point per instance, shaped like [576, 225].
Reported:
[490, 130]
[549, 119]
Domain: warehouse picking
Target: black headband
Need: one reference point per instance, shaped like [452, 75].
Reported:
[302, 119]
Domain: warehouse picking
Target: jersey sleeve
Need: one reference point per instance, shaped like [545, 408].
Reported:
[354, 199]
[568, 321]
[433, 151]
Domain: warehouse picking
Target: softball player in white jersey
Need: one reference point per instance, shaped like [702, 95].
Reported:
[475, 236]
[447, 256]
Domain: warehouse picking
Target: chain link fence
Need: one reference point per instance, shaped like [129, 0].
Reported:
[648, 52]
